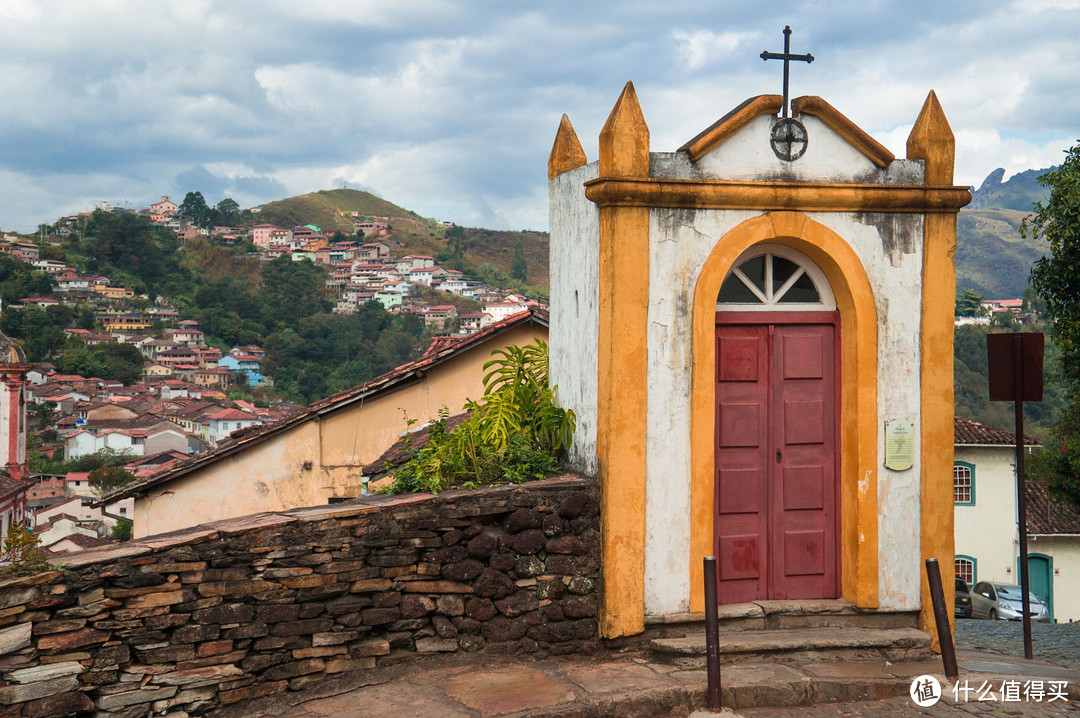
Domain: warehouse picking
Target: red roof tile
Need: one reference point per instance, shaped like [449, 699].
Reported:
[967, 433]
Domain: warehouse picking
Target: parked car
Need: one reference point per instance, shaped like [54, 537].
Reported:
[1003, 600]
[963, 599]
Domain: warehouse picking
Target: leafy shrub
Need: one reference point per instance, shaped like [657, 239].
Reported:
[20, 554]
[513, 434]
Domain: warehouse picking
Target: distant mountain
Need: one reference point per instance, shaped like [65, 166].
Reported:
[991, 256]
[1019, 193]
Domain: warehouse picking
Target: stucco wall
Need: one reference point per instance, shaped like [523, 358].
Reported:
[575, 318]
[270, 475]
[681, 240]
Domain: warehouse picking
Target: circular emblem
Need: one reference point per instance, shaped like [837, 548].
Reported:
[925, 691]
[788, 139]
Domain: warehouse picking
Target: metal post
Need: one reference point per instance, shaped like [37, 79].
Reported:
[941, 619]
[1021, 497]
[712, 635]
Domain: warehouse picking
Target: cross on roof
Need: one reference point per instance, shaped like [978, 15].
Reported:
[787, 57]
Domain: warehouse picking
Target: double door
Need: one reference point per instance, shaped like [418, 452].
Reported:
[776, 521]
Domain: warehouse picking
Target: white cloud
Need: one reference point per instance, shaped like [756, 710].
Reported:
[450, 108]
[701, 47]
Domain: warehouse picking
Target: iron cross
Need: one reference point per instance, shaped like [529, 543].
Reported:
[787, 57]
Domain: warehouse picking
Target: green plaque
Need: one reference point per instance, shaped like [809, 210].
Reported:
[899, 445]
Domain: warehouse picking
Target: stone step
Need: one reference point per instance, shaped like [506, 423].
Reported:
[767, 615]
[797, 646]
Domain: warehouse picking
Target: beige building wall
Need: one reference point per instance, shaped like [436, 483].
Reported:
[986, 531]
[320, 459]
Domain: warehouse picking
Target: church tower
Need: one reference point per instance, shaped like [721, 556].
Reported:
[13, 369]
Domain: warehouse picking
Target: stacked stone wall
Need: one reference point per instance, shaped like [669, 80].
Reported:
[185, 623]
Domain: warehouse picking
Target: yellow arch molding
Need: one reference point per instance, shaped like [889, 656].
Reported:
[858, 402]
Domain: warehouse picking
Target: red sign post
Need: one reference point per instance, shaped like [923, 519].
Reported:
[1016, 374]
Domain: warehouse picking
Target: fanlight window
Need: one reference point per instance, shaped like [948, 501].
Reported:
[777, 280]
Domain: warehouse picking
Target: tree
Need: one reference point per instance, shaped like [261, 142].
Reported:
[519, 268]
[1056, 279]
[969, 304]
[107, 478]
[194, 207]
[228, 209]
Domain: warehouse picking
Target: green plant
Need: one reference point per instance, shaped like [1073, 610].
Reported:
[121, 531]
[21, 554]
[513, 434]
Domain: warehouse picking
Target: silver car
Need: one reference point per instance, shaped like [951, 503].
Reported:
[1004, 601]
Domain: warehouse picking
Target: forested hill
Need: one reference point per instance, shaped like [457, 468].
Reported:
[991, 256]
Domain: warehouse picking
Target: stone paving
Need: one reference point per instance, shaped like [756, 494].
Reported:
[905, 708]
[1058, 642]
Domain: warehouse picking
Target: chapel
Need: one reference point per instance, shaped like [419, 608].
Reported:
[755, 331]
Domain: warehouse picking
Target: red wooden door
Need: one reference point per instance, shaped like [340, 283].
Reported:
[776, 517]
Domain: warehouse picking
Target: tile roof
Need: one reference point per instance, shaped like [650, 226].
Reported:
[1048, 514]
[239, 440]
[9, 486]
[80, 540]
[971, 433]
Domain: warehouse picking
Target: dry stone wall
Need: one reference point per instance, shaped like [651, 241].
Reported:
[187, 622]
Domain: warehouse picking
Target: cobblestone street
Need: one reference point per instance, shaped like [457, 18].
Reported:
[1058, 642]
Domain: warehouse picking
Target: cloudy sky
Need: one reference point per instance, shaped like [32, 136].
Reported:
[450, 108]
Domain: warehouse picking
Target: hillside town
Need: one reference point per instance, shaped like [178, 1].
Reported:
[181, 406]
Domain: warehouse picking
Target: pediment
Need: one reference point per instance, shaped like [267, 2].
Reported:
[737, 145]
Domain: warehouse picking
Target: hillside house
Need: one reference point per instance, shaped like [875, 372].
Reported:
[25, 251]
[439, 316]
[984, 494]
[164, 207]
[127, 323]
[189, 336]
[53, 267]
[226, 421]
[113, 292]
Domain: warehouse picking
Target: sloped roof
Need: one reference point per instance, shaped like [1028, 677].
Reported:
[1048, 514]
[972, 433]
[240, 440]
[80, 540]
[754, 107]
[9, 486]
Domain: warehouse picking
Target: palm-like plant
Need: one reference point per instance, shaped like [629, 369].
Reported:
[513, 433]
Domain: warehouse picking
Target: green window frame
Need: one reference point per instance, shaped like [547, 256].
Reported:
[963, 483]
[961, 562]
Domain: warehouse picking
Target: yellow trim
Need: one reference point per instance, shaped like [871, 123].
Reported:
[807, 197]
[731, 123]
[621, 381]
[931, 140]
[566, 152]
[938, 432]
[841, 125]
[858, 401]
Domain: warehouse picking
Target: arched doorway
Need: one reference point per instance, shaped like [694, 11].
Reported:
[776, 523]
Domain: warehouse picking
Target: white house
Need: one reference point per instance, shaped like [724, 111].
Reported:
[986, 526]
